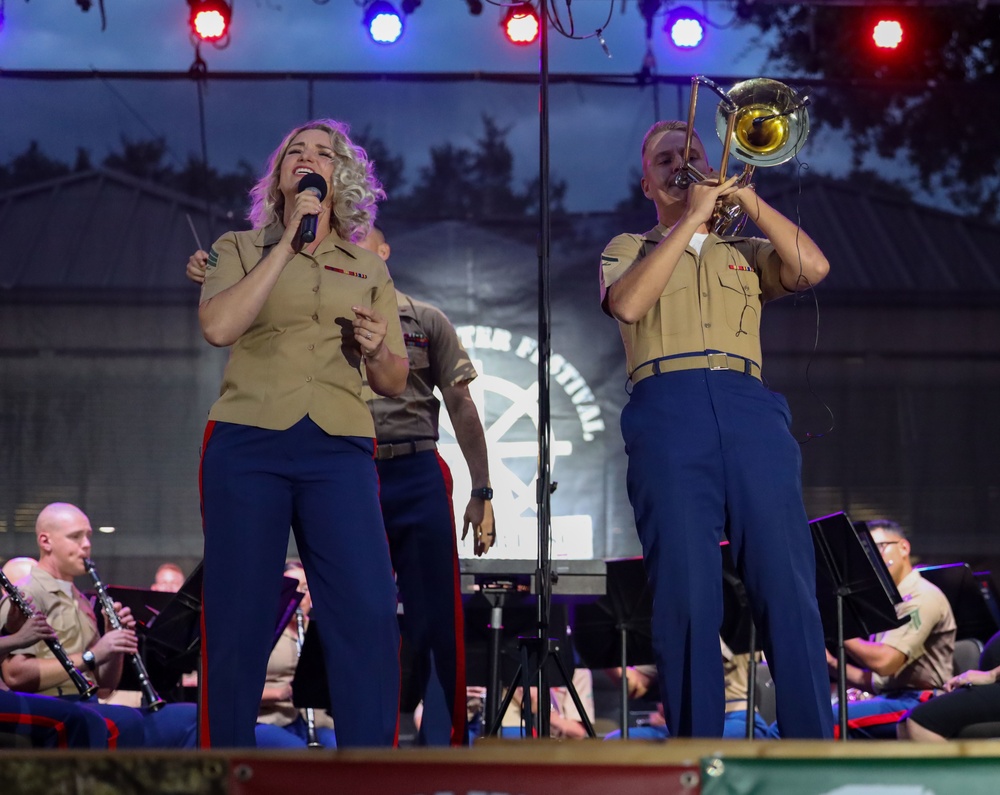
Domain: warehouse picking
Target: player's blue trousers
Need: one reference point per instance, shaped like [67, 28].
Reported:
[255, 484]
[49, 722]
[416, 504]
[710, 454]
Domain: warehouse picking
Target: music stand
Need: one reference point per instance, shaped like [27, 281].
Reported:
[507, 636]
[968, 602]
[310, 688]
[145, 605]
[174, 636]
[854, 590]
[616, 629]
[989, 588]
[495, 588]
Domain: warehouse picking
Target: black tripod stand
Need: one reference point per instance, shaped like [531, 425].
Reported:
[534, 651]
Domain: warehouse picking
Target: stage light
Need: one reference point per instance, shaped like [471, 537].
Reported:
[384, 23]
[520, 23]
[686, 27]
[887, 34]
[209, 19]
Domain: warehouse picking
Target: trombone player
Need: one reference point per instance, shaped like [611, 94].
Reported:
[709, 448]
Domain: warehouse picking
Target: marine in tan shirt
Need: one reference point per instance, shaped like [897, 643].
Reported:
[311, 319]
[709, 448]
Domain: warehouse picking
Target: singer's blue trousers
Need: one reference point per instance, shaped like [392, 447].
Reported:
[255, 484]
[419, 519]
[710, 453]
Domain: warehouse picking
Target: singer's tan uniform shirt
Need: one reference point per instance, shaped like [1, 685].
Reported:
[712, 301]
[71, 617]
[299, 357]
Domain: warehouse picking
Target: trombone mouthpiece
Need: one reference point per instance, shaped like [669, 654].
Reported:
[683, 180]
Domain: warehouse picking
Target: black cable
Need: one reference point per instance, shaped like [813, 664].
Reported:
[200, 83]
[809, 436]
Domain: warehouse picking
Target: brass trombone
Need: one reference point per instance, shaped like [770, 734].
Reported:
[760, 122]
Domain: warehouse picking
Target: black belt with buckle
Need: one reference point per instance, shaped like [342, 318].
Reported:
[383, 452]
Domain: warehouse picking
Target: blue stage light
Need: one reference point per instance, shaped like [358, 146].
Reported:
[384, 22]
[686, 27]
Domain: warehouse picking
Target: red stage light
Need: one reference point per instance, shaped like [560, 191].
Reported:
[210, 19]
[521, 24]
[887, 33]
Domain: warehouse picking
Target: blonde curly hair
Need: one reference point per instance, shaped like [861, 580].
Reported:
[356, 189]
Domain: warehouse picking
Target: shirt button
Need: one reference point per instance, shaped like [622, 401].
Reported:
[708, 325]
[315, 317]
[314, 265]
[309, 378]
[316, 289]
[310, 346]
[705, 294]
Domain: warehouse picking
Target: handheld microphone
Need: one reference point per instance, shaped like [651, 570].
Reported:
[315, 183]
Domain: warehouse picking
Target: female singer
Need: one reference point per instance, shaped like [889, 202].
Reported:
[311, 317]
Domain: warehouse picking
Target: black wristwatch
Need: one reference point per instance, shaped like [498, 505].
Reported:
[485, 492]
[90, 660]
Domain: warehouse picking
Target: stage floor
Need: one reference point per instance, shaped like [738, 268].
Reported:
[519, 767]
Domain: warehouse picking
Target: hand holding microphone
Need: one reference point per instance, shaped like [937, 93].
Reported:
[317, 185]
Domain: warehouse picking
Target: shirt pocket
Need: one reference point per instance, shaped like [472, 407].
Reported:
[739, 287]
[674, 309]
[417, 351]
[677, 306]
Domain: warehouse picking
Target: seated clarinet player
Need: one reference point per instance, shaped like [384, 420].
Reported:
[63, 533]
[41, 721]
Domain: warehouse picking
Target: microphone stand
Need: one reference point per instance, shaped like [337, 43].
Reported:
[545, 487]
[541, 647]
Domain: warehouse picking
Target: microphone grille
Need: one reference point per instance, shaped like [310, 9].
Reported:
[314, 182]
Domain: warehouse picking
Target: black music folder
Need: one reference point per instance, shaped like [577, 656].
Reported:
[849, 565]
[969, 603]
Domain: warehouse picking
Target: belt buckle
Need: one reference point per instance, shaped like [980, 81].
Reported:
[718, 361]
[385, 452]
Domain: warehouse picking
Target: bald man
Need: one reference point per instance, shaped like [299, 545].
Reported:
[18, 568]
[63, 534]
[169, 578]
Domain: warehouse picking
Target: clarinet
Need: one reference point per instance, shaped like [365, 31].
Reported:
[300, 631]
[84, 685]
[150, 697]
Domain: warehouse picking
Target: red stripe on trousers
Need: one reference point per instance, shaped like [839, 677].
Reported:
[39, 721]
[460, 709]
[204, 739]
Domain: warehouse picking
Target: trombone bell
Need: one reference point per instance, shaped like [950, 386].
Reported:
[771, 122]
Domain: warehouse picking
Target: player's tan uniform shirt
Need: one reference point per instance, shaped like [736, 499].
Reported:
[927, 639]
[281, 667]
[299, 357]
[712, 301]
[71, 617]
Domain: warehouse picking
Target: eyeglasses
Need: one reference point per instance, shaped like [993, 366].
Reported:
[883, 544]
